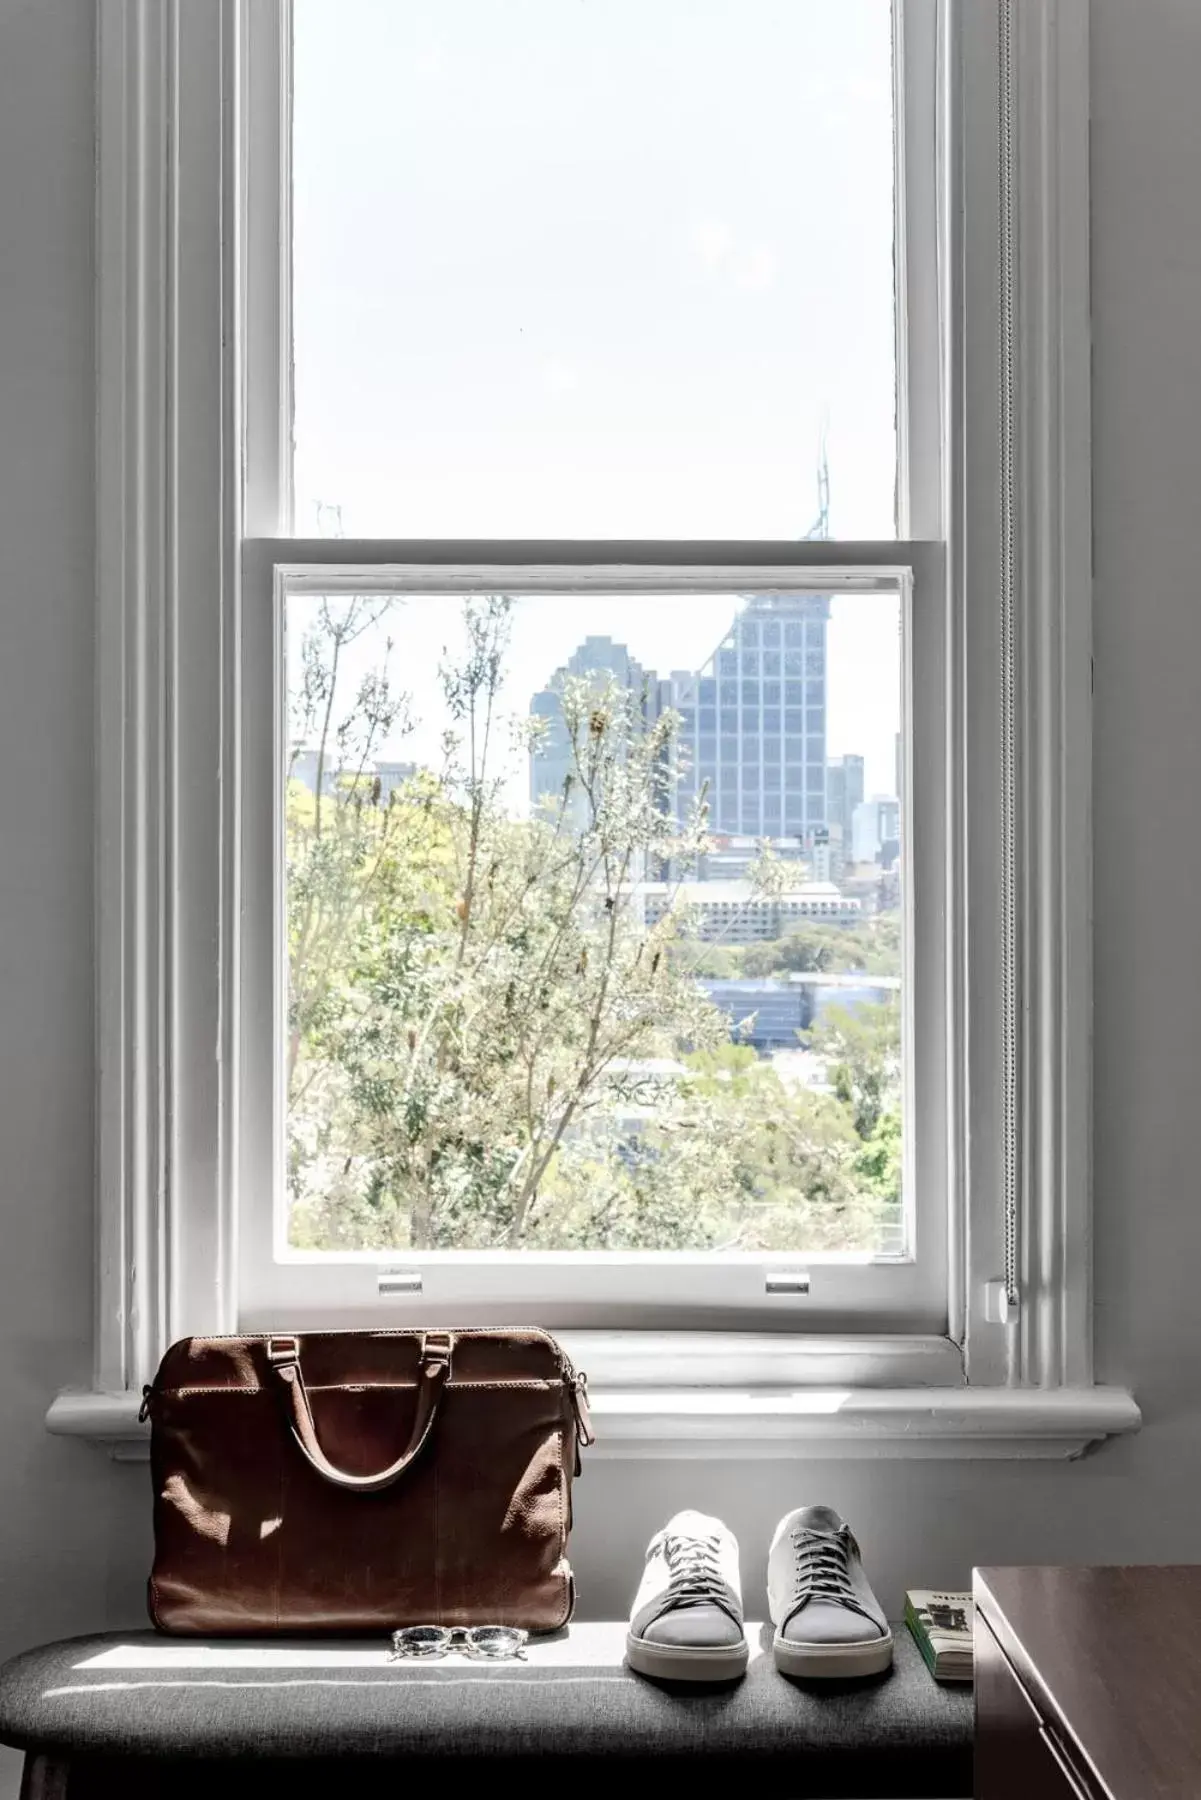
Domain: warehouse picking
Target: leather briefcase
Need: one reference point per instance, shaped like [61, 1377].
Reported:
[355, 1481]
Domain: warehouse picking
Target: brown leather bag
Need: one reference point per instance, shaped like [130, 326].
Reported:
[355, 1481]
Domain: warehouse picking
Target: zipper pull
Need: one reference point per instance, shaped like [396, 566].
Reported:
[583, 1418]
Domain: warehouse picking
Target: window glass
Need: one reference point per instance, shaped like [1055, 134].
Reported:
[477, 789]
[582, 271]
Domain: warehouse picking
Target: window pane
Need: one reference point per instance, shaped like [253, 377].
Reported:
[538, 996]
[569, 270]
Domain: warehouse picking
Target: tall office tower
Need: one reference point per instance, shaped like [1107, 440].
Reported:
[876, 831]
[844, 793]
[754, 719]
[600, 658]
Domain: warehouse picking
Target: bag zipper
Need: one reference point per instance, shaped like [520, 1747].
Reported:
[576, 1381]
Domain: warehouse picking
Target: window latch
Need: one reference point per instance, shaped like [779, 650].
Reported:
[786, 1281]
[399, 1281]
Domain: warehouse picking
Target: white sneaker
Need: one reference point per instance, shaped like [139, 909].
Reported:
[686, 1620]
[829, 1624]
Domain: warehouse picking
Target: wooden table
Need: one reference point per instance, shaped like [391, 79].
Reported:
[1088, 1684]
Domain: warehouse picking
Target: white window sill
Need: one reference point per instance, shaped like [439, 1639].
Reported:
[643, 1409]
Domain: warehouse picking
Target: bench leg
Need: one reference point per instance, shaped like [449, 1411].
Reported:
[44, 1777]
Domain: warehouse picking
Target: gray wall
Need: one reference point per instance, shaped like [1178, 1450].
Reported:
[75, 1536]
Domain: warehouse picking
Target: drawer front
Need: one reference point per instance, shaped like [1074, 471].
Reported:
[1017, 1757]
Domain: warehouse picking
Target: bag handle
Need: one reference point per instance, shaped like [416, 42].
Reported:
[283, 1359]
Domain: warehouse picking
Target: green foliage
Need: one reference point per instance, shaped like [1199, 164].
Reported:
[863, 1051]
[488, 1048]
[873, 947]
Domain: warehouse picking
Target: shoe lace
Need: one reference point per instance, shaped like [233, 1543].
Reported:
[694, 1572]
[823, 1570]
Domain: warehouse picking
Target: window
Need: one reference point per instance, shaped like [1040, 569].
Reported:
[594, 418]
[489, 1045]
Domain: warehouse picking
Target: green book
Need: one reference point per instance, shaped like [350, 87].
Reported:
[941, 1625]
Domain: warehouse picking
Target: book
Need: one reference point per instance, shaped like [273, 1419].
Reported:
[942, 1630]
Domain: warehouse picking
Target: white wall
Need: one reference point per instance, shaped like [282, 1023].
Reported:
[74, 1543]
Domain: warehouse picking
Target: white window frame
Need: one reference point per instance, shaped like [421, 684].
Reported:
[669, 1290]
[183, 93]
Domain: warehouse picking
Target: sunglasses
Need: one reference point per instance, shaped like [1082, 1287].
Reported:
[490, 1643]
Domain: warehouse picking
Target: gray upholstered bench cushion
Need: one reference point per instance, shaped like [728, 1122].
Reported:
[573, 1702]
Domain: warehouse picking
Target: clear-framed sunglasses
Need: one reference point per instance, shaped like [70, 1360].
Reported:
[490, 1643]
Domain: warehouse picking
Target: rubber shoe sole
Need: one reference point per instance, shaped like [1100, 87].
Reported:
[833, 1662]
[687, 1662]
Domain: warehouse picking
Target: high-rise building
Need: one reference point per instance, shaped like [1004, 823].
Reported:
[844, 792]
[876, 831]
[753, 720]
[601, 659]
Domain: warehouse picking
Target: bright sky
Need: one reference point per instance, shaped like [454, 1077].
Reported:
[600, 268]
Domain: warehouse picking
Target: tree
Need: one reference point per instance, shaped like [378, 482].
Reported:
[863, 1056]
[488, 1045]
[479, 1035]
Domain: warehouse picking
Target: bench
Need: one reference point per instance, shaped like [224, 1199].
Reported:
[136, 1714]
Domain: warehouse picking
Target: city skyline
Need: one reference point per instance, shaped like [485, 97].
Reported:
[662, 631]
[753, 725]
